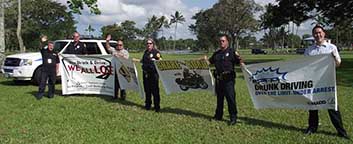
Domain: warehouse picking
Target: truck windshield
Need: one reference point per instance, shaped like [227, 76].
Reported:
[58, 46]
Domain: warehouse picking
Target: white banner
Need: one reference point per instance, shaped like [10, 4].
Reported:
[184, 75]
[127, 75]
[87, 74]
[304, 83]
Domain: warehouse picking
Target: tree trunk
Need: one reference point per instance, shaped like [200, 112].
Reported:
[19, 27]
[176, 25]
[2, 30]
[2, 26]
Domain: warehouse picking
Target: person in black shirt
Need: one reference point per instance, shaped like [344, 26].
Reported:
[49, 69]
[224, 60]
[76, 47]
[150, 75]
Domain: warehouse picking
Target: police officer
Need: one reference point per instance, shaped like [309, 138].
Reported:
[49, 69]
[224, 60]
[76, 47]
[322, 47]
[150, 75]
[119, 52]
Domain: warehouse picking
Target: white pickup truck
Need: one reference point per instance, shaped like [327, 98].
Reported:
[27, 66]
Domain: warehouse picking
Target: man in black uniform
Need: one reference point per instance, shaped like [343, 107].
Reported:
[224, 60]
[76, 47]
[49, 69]
[150, 75]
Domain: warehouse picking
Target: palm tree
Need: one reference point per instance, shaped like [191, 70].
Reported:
[89, 29]
[176, 18]
[151, 27]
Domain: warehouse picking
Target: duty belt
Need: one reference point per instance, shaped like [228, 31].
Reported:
[226, 75]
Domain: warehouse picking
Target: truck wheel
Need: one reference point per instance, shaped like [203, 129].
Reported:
[36, 76]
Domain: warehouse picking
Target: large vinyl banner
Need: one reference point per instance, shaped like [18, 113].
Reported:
[127, 74]
[305, 83]
[184, 75]
[87, 75]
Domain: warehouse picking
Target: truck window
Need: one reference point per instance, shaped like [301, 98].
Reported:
[111, 45]
[58, 46]
[92, 48]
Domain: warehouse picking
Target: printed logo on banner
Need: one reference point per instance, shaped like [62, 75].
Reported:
[190, 80]
[101, 67]
[125, 73]
[267, 75]
[185, 78]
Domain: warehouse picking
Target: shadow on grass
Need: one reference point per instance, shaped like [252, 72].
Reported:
[271, 125]
[10, 82]
[184, 112]
[344, 73]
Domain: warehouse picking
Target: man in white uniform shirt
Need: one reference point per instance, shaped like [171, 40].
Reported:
[323, 47]
[119, 52]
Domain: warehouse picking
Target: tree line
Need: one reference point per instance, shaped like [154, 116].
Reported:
[236, 18]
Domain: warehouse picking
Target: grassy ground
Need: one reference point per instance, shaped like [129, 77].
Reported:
[184, 118]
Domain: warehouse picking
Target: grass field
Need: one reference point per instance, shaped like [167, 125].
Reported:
[184, 118]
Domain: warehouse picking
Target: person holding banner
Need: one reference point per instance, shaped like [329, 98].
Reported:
[49, 69]
[150, 75]
[118, 52]
[323, 47]
[76, 47]
[224, 60]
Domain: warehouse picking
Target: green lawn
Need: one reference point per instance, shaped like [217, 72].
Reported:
[184, 118]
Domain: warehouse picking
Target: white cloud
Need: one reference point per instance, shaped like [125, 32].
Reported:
[117, 11]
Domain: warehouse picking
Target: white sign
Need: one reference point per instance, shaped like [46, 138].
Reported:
[184, 75]
[304, 83]
[87, 74]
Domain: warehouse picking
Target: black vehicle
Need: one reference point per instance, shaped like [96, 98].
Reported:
[258, 51]
[191, 80]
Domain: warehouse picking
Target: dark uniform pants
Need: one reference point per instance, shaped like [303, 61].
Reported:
[335, 117]
[151, 86]
[117, 87]
[225, 88]
[49, 76]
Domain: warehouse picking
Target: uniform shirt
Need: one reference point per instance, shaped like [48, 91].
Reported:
[122, 52]
[325, 48]
[148, 58]
[49, 59]
[77, 49]
[224, 60]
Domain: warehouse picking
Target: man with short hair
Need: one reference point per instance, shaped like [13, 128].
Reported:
[49, 69]
[224, 60]
[118, 52]
[76, 47]
[323, 47]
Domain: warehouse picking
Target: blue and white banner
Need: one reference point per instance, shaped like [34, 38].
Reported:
[304, 83]
[184, 75]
